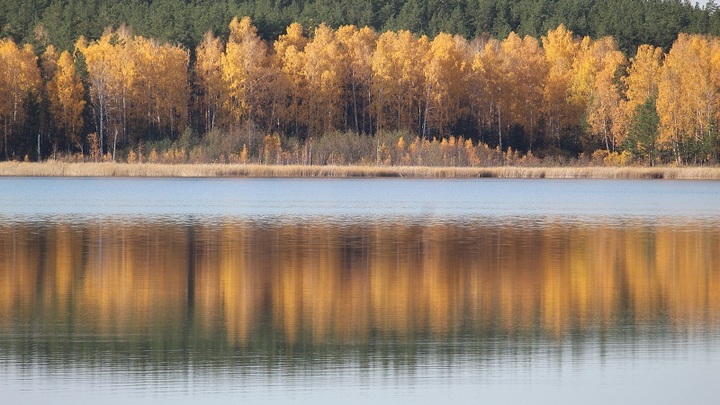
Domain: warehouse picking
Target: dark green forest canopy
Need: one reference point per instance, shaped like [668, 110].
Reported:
[631, 22]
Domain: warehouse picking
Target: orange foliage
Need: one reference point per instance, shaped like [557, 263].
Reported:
[386, 278]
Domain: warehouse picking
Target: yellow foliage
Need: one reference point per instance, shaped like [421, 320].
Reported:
[617, 158]
[324, 71]
[289, 59]
[66, 95]
[154, 157]
[398, 66]
[445, 78]
[471, 153]
[641, 82]
[271, 148]
[688, 104]
[244, 154]
[209, 76]
[243, 66]
[135, 81]
[19, 80]
[350, 78]
[643, 75]
[508, 79]
[48, 63]
[600, 100]
[598, 157]
[358, 47]
[560, 52]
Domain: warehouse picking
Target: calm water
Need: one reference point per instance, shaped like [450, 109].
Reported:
[359, 291]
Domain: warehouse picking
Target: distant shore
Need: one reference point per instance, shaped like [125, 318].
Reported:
[109, 169]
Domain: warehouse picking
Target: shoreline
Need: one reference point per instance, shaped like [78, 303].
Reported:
[221, 170]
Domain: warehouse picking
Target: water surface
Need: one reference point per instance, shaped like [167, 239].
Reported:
[319, 291]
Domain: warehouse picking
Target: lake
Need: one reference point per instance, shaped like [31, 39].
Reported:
[358, 291]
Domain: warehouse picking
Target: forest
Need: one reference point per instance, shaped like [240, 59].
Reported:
[426, 90]
[185, 22]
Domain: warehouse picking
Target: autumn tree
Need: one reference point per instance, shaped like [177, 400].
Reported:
[208, 70]
[687, 102]
[398, 66]
[66, 96]
[160, 90]
[595, 88]
[123, 84]
[640, 84]
[48, 63]
[112, 74]
[385, 78]
[643, 74]
[446, 77]
[509, 78]
[42, 121]
[358, 46]
[136, 85]
[488, 86]
[19, 81]
[526, 70]
[560, 52]
[244, 66]
[98, 59]
[290, 60]
[325, 73]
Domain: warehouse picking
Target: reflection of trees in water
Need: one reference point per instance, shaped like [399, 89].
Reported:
[384, 293]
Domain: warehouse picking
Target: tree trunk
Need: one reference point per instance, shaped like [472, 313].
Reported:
[355, 112]
[114, 143]
[499, 128]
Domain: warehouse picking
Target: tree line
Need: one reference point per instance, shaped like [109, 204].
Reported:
[631, 22]
[123, 96]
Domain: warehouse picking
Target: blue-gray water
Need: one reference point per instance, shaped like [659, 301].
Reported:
[386, 290]
[376, 199]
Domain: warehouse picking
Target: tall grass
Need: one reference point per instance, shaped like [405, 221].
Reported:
[110, 169]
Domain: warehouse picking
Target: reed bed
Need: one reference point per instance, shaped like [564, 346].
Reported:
[110, 169]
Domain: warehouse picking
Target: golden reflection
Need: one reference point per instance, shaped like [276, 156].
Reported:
[337, 283]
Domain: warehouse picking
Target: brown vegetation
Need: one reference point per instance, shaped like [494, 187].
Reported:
[110, 169]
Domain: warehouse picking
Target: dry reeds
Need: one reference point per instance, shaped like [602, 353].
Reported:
[110, 169]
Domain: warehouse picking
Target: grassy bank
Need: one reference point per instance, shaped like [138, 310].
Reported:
[61, 169]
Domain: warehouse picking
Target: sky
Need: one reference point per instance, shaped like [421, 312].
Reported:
[703, 2]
